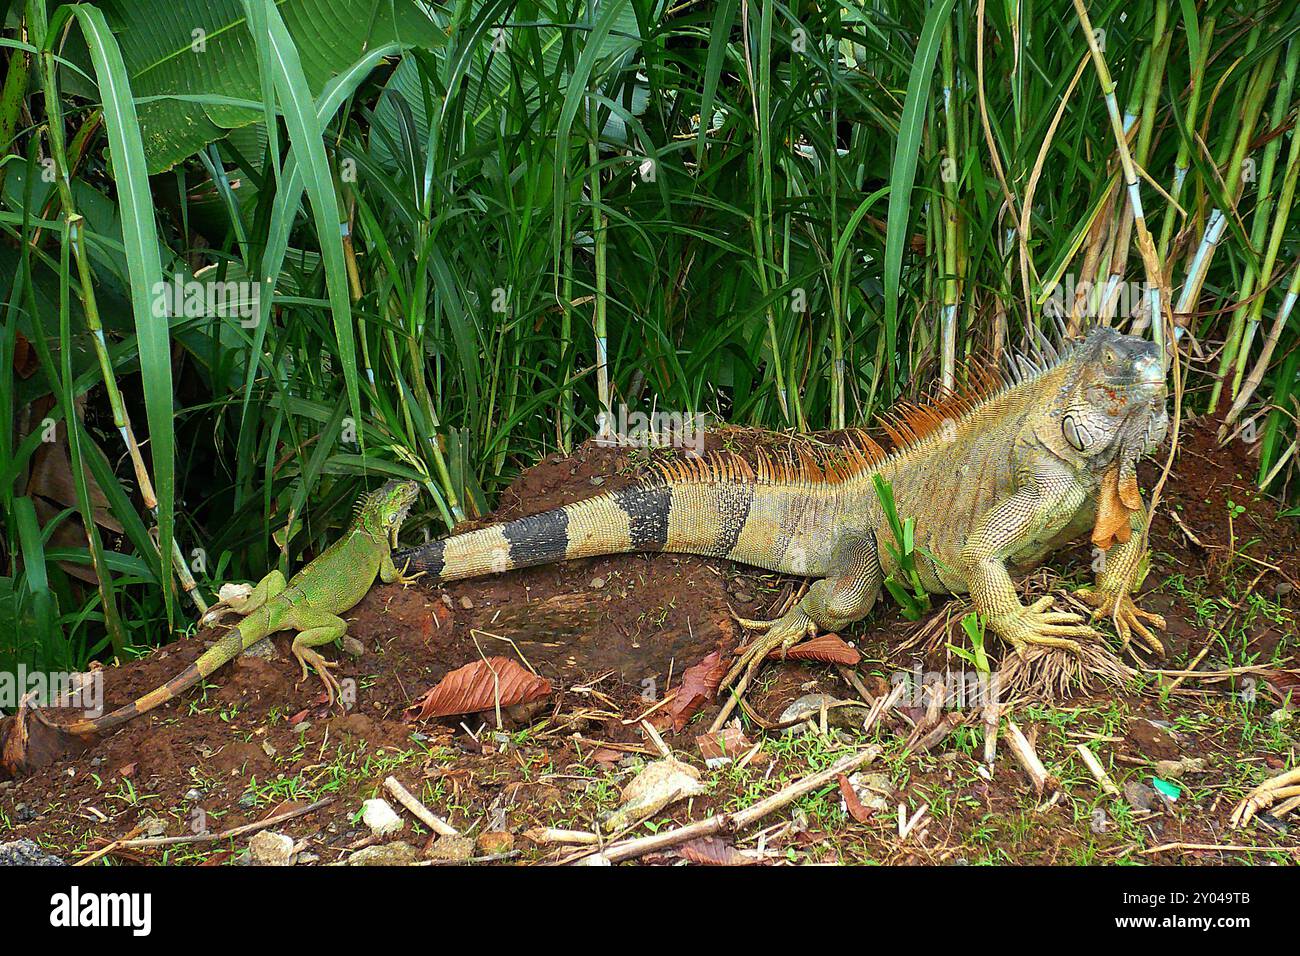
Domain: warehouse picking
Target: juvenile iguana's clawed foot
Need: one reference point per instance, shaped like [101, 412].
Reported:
[308, 657]
[406, 580]
[1282, 787]
[1042, 626]
[1128, 620]
[781, 634]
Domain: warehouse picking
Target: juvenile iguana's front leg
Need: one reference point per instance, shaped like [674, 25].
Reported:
[1116, 580]
[1042, 507]
[315, 628]
[390, 572]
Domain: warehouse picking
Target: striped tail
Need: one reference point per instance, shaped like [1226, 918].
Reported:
[211, 660]
[709, 519]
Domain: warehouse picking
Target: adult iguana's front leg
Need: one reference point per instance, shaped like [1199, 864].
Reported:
[1046, 503]
[390, 572]
[1116, 580]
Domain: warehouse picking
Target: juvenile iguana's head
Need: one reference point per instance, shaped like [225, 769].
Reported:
[384, 509]
[1114, 406]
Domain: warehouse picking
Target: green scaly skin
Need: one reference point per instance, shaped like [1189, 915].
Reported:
[995, 482]
[310, 603]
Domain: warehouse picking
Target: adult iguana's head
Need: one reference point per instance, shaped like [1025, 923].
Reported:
[384, 509]
[1114, 403]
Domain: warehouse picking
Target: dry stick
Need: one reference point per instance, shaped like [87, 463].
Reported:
[553, 835]
[733, 821]
[1097, 770]
[1227, 847]
[1025, 754]
[208, 837]
[409, 800]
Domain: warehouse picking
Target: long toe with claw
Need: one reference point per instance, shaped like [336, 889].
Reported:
[306, 656]
[1282, 787]
[781, 634]
[1039, 624]
[1128, 617]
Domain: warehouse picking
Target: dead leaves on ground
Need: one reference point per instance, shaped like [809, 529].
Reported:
[482, 685]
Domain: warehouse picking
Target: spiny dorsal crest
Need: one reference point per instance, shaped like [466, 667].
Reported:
[907, 424]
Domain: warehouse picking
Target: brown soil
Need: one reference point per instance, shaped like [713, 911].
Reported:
[613, 633]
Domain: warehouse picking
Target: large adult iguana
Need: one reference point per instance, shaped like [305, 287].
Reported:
[309, 603]
[995, 479]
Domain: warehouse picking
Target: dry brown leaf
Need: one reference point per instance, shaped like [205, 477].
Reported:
[699, 683]
[852, 801]
[481, 686]
[826, 648]
[710, 851]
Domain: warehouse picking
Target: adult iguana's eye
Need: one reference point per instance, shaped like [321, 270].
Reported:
[1075, 433]
[1110, 357]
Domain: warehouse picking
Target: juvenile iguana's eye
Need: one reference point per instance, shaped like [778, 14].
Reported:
[1110, 358]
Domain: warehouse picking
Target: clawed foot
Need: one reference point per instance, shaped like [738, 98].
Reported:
[406, 580]
[1042, 626]
[306, 656]
[781, 634]
[1281, 787]
[1128, 620]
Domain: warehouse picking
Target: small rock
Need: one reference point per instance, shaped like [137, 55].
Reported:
[248, 800]
[809, 707]
[597, 583]
[352, 647]
[1139, 796]
[743, 597]
[446, 598]
[657, 785]
[263, 649]
[193, 795]
[597, 480]
[269, 848]
[380, 817]
[495, 842]
[452, 848]
[154, 826]
[396, 853]
[26, 853]
[1174, 769]
[308, 857]
[302, 726]
[467, 604]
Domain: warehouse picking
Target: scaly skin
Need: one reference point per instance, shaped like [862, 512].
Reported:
[995, 482]
[310, 603]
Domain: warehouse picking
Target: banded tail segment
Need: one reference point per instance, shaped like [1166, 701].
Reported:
[225, 650]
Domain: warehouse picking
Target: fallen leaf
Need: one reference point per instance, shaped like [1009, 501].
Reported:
[657, 785]
[699, 683]
[481, 686]
[852, 801]
[721, 748]
[825, 648]
[711, 851]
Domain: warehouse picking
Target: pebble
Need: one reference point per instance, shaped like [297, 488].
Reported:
[597, 583]
[1139, 796]
[26, 853]
[467, 604]
[269, 848]
[380, 817]
[353, 647]
[454, 849]
[397, 853]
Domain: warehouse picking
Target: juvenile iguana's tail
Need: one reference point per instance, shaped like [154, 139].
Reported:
[718, 507]
[225, 650]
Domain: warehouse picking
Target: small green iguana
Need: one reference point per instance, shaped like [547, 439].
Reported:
[995, 479]
[310, 603]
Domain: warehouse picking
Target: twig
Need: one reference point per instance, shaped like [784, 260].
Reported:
[1025, 754]
[409, 800]
[231, 834]
[731, 821]
[1097, 770]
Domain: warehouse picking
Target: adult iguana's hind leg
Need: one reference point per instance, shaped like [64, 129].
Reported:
[830, 604]
[317, 628]
[1112, 598]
